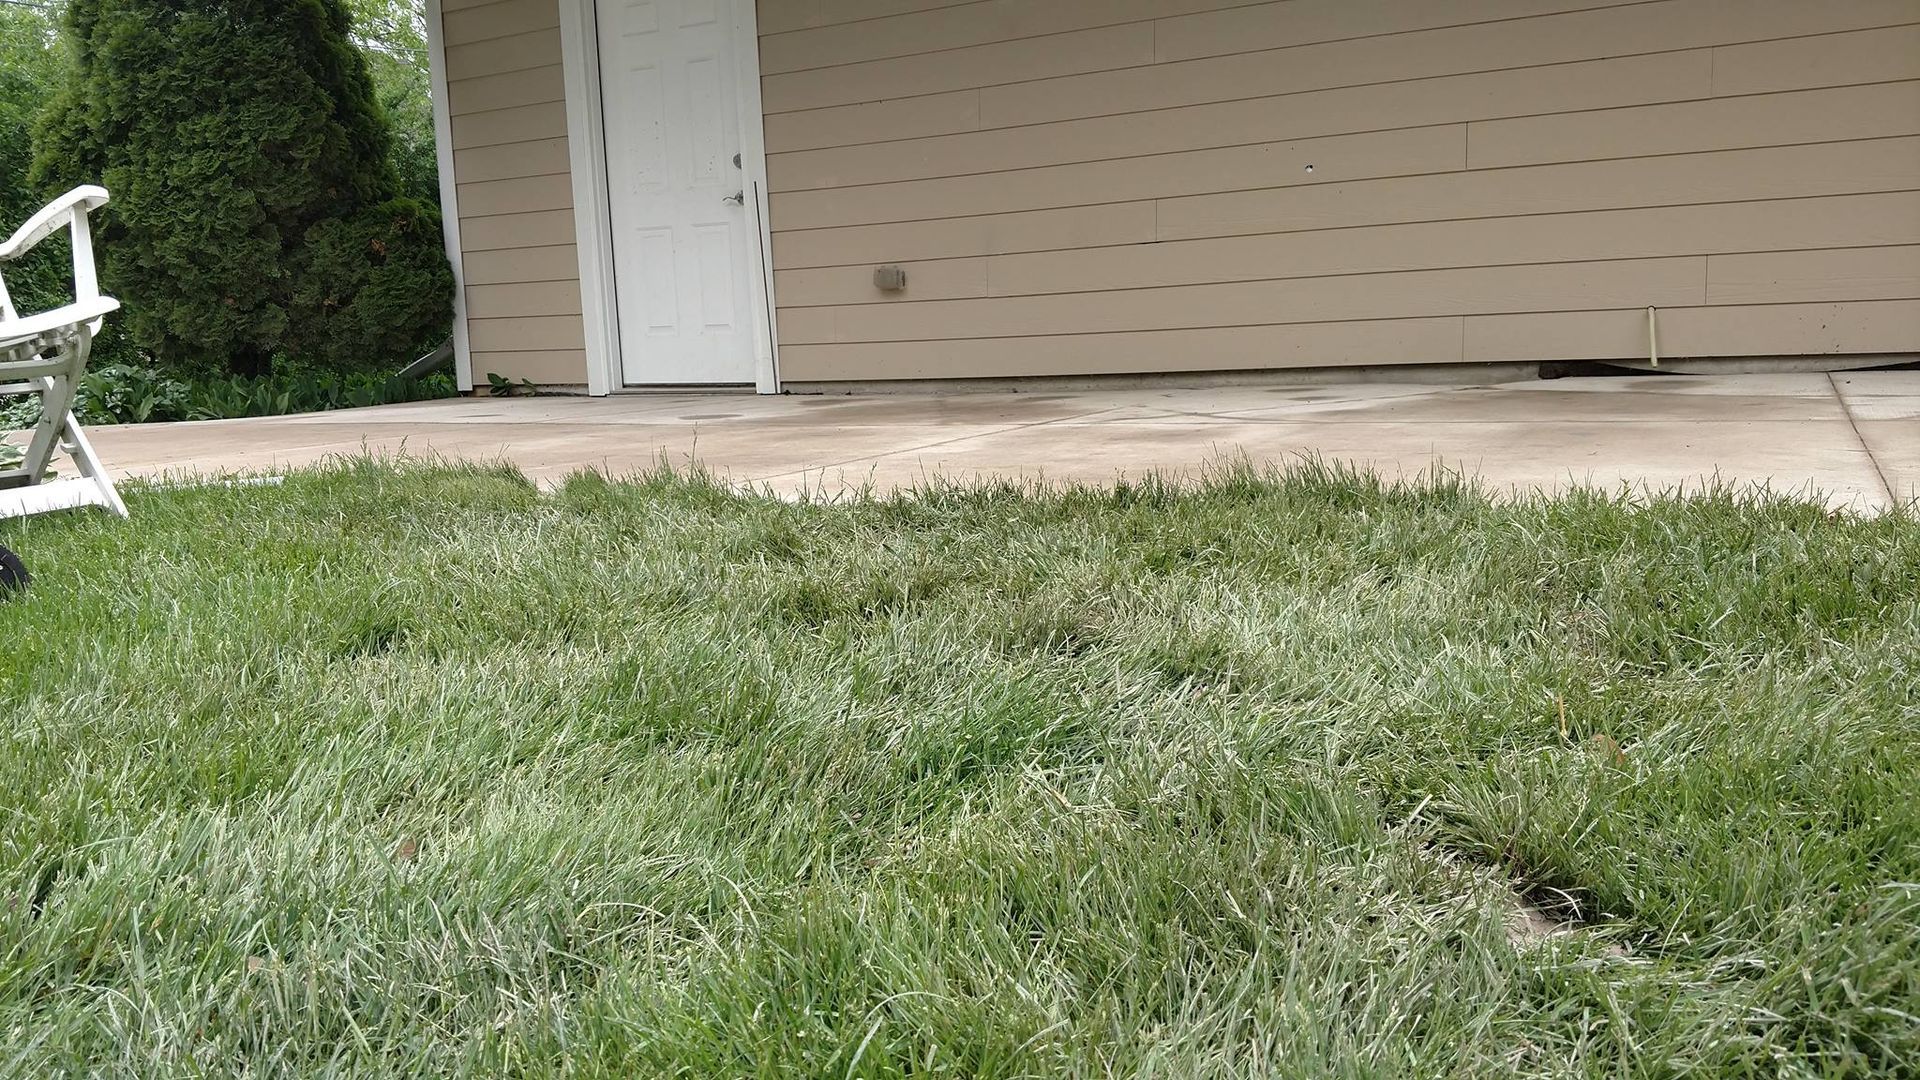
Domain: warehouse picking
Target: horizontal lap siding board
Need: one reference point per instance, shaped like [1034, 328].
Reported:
[559, 262]
[542, 157]
[946, 29]
[545, 367]
[1867, 326]
[1880, 165]
[1291, 22]
[1090, 186]
[1307, 161]
[1803, 116]
[526, 86]
[1878, 273]
[512, 172]
[512, 232]
[1550, 40]
[780, 16]
[496, 56]
[511, 299]
[1541, 287]
[527, 333]
[1574, 37]
[516, 196]
[1596, 85]
[1785, 225]
[1230, 348]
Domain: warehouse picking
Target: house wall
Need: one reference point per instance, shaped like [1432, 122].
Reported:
[1088, 186]
[514, 187]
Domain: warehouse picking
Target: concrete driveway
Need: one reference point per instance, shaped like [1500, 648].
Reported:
[1853, 438]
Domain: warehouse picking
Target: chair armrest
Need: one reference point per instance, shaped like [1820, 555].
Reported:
[56, 215]
[13, 331]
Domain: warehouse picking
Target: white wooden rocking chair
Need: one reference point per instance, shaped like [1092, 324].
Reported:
[46, 354]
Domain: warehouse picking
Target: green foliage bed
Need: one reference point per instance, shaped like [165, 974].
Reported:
[130, 394]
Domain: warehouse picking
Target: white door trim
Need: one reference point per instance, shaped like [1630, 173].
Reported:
[593, 213]
[587, 157]
[449, 192]
[753, 161]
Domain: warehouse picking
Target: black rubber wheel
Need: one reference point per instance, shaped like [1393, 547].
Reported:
[13, 573]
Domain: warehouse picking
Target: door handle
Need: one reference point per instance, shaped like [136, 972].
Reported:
[738, 198]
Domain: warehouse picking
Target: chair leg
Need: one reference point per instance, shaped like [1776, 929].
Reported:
[26, 488]
[81, 450]
[56, 413]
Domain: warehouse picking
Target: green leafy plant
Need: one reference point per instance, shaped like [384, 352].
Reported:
[219, 399]
[130, 394]
[114, 394]
[500, 385]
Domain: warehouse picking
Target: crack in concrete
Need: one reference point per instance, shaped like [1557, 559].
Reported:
[1846, 410]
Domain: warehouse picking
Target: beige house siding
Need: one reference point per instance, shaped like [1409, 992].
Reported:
[509, 133]
[1090, 186]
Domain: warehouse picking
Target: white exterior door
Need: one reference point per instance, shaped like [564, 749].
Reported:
[684, 243]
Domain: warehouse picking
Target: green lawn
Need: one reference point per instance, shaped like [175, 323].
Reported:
[418, 771]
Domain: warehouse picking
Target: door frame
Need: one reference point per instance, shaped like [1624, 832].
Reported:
[449, 192]
[592, 199]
